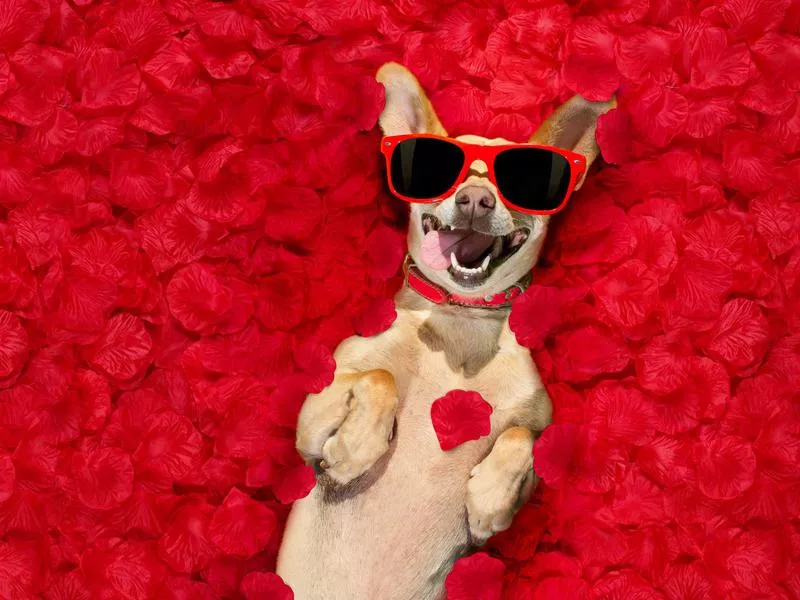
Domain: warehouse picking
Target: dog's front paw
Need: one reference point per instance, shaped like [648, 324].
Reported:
[351, 452]
[347, 428]
[500, 484]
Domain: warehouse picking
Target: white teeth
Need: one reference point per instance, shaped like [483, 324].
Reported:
[456, 266]
[465, 270]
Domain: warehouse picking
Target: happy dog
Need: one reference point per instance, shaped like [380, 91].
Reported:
[391, 511]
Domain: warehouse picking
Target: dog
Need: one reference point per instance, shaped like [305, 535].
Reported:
[391, 511]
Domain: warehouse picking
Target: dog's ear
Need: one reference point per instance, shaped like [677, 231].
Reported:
[572, 127]
[407, 109]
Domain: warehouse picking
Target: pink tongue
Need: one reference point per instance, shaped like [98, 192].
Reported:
[467, 245]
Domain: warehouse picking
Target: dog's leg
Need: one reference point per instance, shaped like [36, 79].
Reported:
[347, 426]
[500, 484]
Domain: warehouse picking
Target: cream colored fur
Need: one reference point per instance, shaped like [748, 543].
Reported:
[391, 511]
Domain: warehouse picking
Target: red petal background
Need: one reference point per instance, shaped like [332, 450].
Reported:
[192, 217]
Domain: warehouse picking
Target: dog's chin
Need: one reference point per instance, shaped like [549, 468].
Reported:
[486, 271]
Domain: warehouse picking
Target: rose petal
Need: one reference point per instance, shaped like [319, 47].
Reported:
[460, 416]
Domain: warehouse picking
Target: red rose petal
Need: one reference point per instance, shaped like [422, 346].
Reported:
[621, 413]
[752, 19]
[666, 460]
[317, 361]
[128, 570]
[583, 354]
[296, 215]
[185, 546]
[749, 161]
[715, 64]
[52, 139]
[554, 451]
[256, 586]
[95, 135]
[7, 477]
[104, 477]
[687, 582]
[287, 399]
[294, 483]
[740, 336]
[725, 466]
[590, 68]
[131, 415]
[222, 60]
[169, 447]
[182, 588]
[614, 136]
[656, 246]
[221, 200]
[138, 180]
[617, 586]
[19, 573]
[14, 349]
[752, 559]
[211, 161]
[776, 221]
[241, 526]
[784, 128]
[123, 349]
[198, 298]
[608, 245]
[637, 501]
[658, 113]
[535, 314]
[244, 429]
[108, 83]
[568, 588]
[552, 564]
[567, 455]
[68, 586]
[172, 236]
[376, 318]
[628, 295]
[647, 54]
[708, 117]
[518, 84]
[460, 416]
[224, 22]
[596, 543]
[477, 577]
[521, 542]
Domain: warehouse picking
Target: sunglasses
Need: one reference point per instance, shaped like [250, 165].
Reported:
[532, 179]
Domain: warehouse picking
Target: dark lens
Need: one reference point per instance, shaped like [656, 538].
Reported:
[532, 178]
[424, 168]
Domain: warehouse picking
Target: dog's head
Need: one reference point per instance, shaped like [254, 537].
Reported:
[491, 246]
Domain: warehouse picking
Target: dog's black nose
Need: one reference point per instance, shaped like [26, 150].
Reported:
[475, 201]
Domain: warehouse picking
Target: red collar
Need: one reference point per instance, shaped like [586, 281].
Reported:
[430, 291]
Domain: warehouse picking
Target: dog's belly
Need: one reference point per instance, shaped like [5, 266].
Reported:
[393, 534]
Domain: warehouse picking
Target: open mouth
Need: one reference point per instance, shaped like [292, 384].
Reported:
[469, 256]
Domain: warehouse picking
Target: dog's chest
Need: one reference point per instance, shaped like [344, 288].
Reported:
[424, 373]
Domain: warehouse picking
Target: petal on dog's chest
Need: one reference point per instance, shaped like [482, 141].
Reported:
[460, 416]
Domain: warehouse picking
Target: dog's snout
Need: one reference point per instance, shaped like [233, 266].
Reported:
[475, 201]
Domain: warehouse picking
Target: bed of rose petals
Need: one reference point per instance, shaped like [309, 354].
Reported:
[192, 216]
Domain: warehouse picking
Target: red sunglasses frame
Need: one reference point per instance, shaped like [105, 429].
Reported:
[487, 154]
